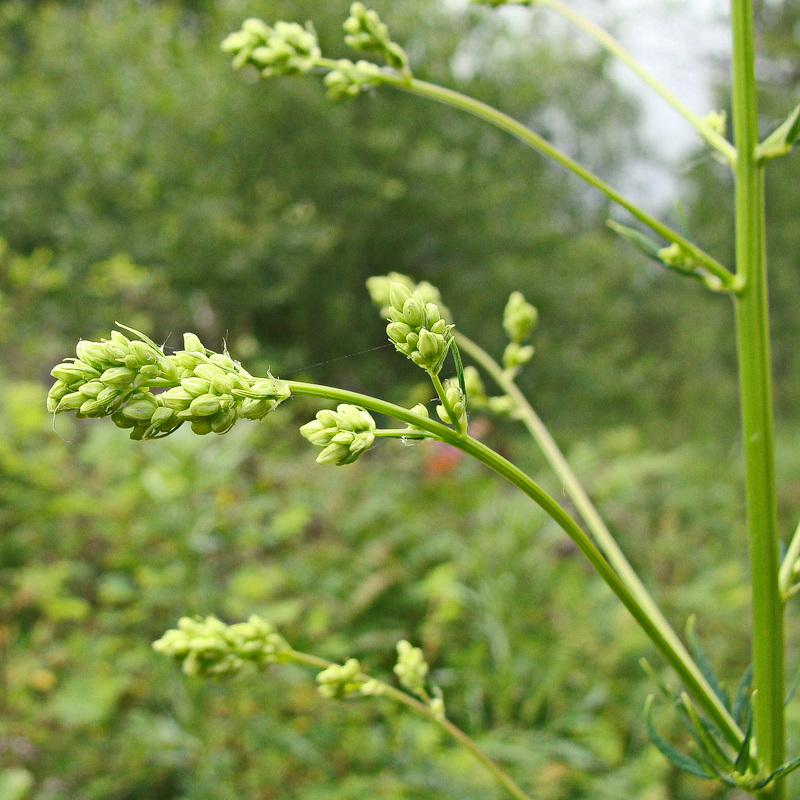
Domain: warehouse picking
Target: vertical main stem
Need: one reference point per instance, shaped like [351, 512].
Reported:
[756, 404]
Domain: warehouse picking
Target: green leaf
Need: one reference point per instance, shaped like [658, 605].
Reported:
[459, 368]
[740, 765]
[705, 736]
[781, 772]
[703, 663]
[675, 757]
[741, 700]
[782, 139]
[644, 244]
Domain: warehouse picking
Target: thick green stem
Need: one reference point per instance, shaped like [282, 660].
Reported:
[756, 405]
[407, 700]
[612, 46]
[660, 634]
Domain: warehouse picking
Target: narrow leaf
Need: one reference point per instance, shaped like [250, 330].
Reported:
[793, 688]
[459, 368]
[781, 140]
[644, 244]
[740, 765]
[658, 680]
[704, 735]
[703, 664]
[781, 772]
[678, 759]
[741, 700]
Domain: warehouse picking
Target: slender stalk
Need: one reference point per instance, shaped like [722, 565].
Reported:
[612, 46]
[661, 635]
[756, 405]
[458, 424]
[786, 575]
[504, 122]
[407, 700]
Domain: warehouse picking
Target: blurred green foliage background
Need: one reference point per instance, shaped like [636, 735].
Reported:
[143, 181]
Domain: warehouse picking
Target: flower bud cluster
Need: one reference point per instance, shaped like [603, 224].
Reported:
[341, 681]
[378, 288]
[365, 31]
[456, 401]
[519, 318]
[343, 434]
[115, 377]
[285, 49]
[417, 328]
[411, 668]
[348, 79]
[210, 648]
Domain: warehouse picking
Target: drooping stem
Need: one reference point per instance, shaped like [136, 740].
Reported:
[658, 632]
[538, 143]
[502, 777]
[612, 46]
[752, 326]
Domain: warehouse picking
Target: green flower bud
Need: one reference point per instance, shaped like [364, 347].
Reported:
[519, 317]
[398, 294]
[476, 391]
[333, 453]
[414, 311]
[202, 427]
[517, 355]
[205, 405]
[177, 398]
[71, 373]
[341, 681]
[195, 386]
[140, 407]
[456, 402]
[118, 376]
[349, 79]
[192, 344]
[92, 353]
[91, 408]
[223, 420]
[120, 338]
[92, 389]
[411, 668]
[71, 402]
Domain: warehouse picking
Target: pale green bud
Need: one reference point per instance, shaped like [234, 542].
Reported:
[398, 294]
[341, 681]
[209, 371]
[177, 398]
[365, 31]
[519, 317]
[71, 402]
[120, 338]
[205, 405]
[348, 79]
[70, 373]
[502, 406]
[195, 386]
[192, 344]
[92, 389]
[333, 453]
[223, 420]
[414, 311]
[92, 353]
[118, 376]
[476, 392]
[516, 355]
[456, 401]
[202, 427]
[140, 407]
[411, 668]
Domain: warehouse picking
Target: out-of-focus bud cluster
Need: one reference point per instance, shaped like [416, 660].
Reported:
[341, 681]
[412, 672]
[209, 648]
[365, 31]
[519, 318]
[411, 668]
[417, 328]
[348, 79]
[115, 377]
[343, 434]
[378, 288]
[285, 49]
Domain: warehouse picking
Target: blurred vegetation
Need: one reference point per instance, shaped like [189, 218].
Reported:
[144, 181]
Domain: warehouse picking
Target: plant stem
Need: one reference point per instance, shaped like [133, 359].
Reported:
[612, 46]
[752, 329]
[526, 135]
[659, 633]
[458, 424]
[407, 700]
[573, 487]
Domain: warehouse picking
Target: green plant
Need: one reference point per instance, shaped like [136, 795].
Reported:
[739, 739]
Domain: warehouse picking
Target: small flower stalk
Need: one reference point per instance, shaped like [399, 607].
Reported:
[343, 434]
[208, 648]
[142, 389]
